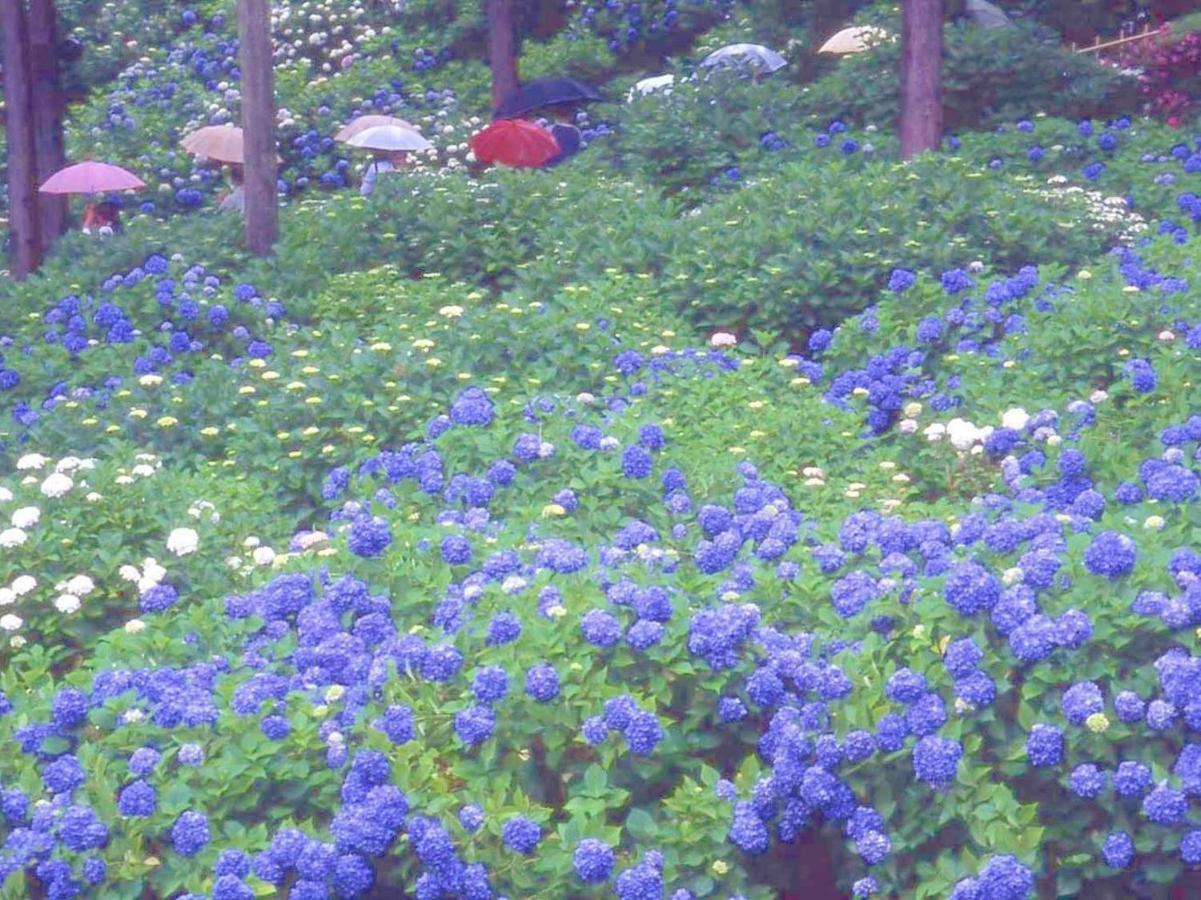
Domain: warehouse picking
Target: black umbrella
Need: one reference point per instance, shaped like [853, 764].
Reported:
[546, 92]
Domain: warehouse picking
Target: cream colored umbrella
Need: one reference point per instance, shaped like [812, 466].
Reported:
[219, 143]
[854, 40]
[362, 123]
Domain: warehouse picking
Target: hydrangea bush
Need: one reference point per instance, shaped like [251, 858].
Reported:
[575, 534]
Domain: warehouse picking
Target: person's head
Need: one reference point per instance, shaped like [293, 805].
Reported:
[108, 211]
[236, 175]
[564, 114]
[398, 157]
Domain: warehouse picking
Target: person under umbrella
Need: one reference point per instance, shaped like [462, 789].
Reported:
[382, 161]
[563, 129]
[104, 218]
[235, 200]
[93, 178]
[390, 146]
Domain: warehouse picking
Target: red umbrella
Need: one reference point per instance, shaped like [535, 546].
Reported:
[514, 142]
[91, 178]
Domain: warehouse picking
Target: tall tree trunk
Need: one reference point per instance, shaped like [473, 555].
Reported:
[258, 125]
[502, 55]
[22, 174]
[48, 108]
[921, 76]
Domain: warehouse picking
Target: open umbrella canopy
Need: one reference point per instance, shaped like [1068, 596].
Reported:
[754, 55]
[514, 142]
[91, 178]
[987, 15]
[546, 92]
[390, 137]
[856, 39]
[362, 123]
[650, 85]
[220, 143]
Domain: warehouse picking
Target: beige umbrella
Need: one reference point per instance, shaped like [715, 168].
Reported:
[390, 137]
[220, 143]
[362, 123]
[854, 40]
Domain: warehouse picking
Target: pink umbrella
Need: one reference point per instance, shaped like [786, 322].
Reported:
[91, 178]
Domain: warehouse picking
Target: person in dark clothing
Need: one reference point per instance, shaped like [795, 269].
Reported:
[566, 135]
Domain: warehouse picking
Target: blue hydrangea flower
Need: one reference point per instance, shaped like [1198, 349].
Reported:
[593, 860]
[1132, 779]
[970, 588]
[1081, 700]
[1165, 805]
[521, 835]
[542, 682]
[1118, 850]
[1111, 555]
[190, 833]
[1044, 745]
[936, 759]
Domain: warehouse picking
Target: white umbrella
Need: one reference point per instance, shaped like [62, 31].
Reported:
[745, 54]
[390, 137]
[650, 85]
[362, 123]
[986, 15]
[854, 40]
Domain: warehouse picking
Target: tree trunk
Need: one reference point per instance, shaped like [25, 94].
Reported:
[501, 51]
[48, 108]
[921, 76]
[22, 174]
[258, 125]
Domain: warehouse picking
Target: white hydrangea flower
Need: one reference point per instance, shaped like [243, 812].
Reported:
[80, 585]
[5, 495]
[963, 434]
[7, 597]
[68, 464]
[26, 517]
[152, 570]
[1015, 418]
[263, 556]
[31, 461]
[130, 573]
[67, 603]
[183, 541]
[135, 626]
[12, 537]
[11, 622]
[56, 485]
[723, 339]
[23, 584]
